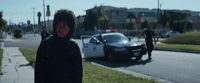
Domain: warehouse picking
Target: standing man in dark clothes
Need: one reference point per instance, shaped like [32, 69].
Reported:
[44, 33]
[149, 34]
[58, 58]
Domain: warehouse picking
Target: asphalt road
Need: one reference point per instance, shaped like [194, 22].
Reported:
[177, 67]
[28, 40]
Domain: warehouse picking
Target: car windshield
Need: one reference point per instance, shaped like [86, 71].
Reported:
[115, 38]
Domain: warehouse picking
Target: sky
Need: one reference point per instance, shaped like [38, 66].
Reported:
[16, 11]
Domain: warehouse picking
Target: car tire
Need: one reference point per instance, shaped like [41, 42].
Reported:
[109, 57]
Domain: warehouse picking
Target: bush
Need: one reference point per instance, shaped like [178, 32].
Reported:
[18, 33]
[192, 38]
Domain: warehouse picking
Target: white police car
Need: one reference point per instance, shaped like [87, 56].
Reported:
[111, 46]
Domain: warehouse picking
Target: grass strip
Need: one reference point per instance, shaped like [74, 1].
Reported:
[93, 73]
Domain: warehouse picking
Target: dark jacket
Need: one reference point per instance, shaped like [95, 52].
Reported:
[58, 61]
[44, 35]
[149, 34]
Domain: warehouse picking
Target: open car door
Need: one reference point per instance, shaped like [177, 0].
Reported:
[92, 47]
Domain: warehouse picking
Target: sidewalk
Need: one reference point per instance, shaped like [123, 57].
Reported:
[15, 68]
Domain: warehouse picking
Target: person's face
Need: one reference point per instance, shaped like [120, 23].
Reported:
[62, 30]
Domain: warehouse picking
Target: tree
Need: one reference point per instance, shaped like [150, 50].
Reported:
[29, 25]
[3, 23]
[79, 22]
[39, 18]
[90, 21]
[96, 17]
[176, 20]
[145, 24]
[164, 18]
[130, 21]
[1, 14]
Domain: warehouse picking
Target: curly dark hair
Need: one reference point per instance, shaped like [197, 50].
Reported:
[66, 16]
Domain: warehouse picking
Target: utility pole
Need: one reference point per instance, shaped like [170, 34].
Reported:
[44, 12]
[158, 12]
[33, 18]
[161, 4]
[158, 16]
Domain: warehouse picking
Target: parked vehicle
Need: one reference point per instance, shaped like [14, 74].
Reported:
[112, 46]
[169, 34]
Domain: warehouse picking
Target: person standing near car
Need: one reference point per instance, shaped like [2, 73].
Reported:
[148, 35]
[44, 33]
[58, 58]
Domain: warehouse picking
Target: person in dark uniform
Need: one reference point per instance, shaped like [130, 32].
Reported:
[149, 34]
[58, 57]
[44, 33]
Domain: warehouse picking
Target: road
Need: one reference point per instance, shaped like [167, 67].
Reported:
[28, 40]
[177, 67]
[173, 66]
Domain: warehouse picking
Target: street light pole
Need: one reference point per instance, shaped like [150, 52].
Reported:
[158, 16]
[161, 4]
[44, 12]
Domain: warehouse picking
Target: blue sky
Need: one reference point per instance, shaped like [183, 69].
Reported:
[21, 10]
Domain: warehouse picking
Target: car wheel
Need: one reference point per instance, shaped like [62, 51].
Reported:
[109, 57]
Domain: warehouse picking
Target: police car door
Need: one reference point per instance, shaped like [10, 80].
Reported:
[93, 48]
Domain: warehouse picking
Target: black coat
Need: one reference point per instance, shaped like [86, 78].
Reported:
[149, 34]
[44, 35]
[58, 61]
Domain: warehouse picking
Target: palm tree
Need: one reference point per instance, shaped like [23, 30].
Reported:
[39, 21]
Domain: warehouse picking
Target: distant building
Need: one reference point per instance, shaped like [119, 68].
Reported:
[119, 17]
[144, 13]
[116, 16]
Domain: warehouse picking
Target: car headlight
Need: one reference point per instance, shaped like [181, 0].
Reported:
[119, 49]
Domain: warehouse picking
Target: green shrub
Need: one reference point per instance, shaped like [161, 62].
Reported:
[18, 33]
[192, 38]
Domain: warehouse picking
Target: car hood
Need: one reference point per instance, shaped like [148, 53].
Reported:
[125, 44]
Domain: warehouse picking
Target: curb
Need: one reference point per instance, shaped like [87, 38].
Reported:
[140, 75]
